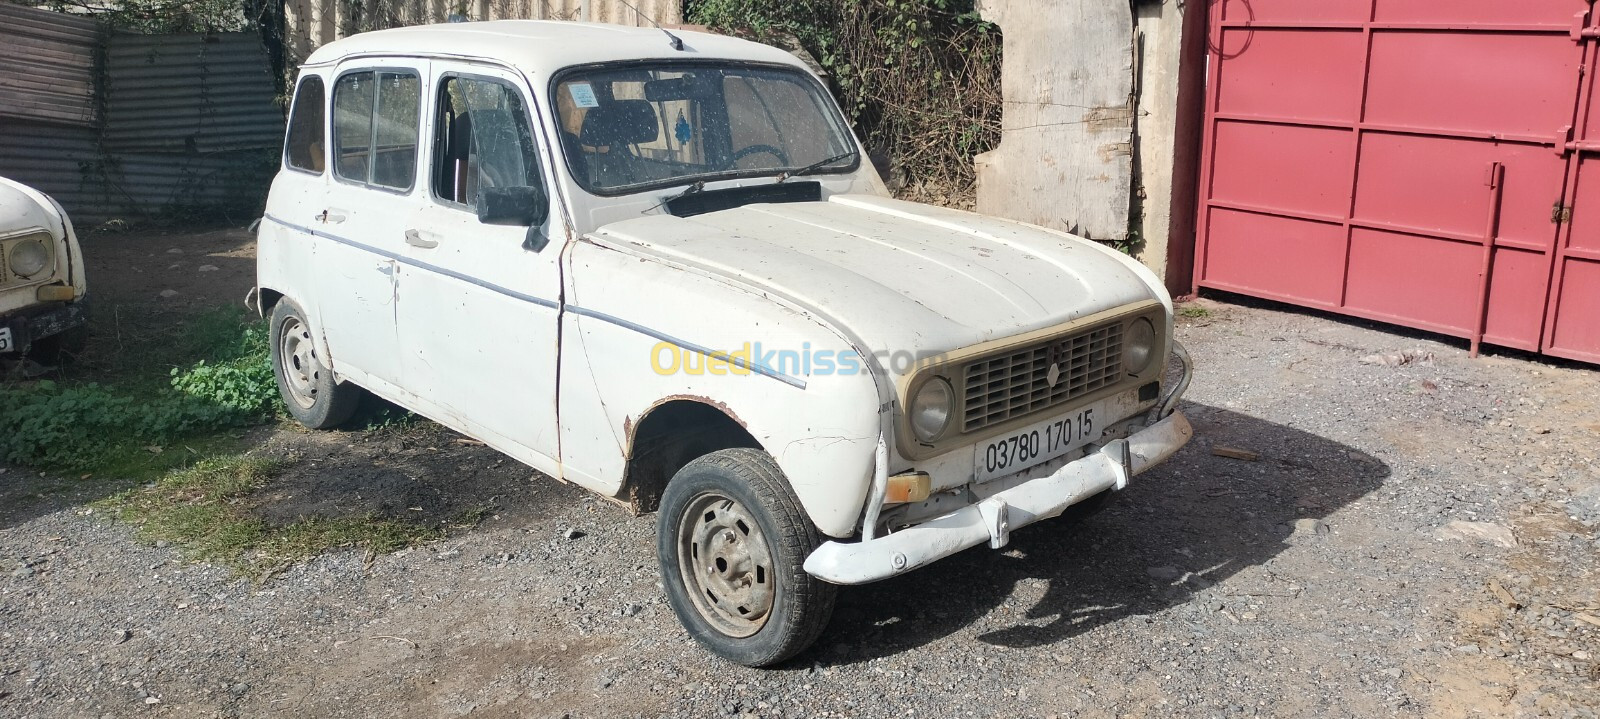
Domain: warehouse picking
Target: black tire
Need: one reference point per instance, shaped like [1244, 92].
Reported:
[308, 387]
[699, 521]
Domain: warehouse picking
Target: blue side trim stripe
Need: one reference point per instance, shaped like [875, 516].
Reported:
[402, 259]
[580, 311]
[760, 369]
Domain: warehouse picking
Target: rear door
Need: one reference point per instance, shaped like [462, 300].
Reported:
[376, 126]
[479, 303]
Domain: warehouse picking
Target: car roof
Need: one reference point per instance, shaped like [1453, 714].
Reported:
[543, 47]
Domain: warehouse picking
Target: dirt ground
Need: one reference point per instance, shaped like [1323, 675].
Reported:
[1416, 537]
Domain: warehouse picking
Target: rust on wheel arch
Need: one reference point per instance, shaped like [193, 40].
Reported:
[659, 445]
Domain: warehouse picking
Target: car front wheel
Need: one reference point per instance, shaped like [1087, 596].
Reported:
[312, 395]
[732, 540]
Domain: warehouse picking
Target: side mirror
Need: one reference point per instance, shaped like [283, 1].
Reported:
[519, 206]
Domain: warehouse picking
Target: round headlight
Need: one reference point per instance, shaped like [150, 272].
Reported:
[28, 258]
[1139, 346]
[930, 409]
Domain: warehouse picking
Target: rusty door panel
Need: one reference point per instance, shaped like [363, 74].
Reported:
[1325, 85]
[1435, 185]
[1482, 83]
[1556, 13]
[1572, 323]
[1410, 161]
[1296, 11]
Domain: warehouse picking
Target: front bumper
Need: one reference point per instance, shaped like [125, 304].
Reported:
[36, 323]
[992, 519]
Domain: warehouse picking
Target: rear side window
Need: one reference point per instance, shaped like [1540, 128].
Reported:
[482, 139]
[304, 148]
[375, 128]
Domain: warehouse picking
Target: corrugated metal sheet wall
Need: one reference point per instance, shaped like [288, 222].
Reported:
[191, 122]
[47, 65]
[190, 92]
[58, 160]
[309, 24]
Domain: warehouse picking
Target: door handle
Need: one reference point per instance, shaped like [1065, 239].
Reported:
[330, 216]
[415, 239]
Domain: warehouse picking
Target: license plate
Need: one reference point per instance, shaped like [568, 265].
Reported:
[5, 339]
[1040, 442]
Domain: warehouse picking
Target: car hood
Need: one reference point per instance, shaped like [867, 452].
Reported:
[23, 208]
[898, 276]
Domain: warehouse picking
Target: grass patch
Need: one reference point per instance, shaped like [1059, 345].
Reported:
[189, 399]
[1193, 312]
[201, 511]
[170, 408]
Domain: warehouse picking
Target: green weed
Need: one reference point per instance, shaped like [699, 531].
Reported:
[240, 379]
[199, 510]
[136, 416]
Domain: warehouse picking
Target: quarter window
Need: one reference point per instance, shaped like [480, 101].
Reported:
[483, 139]
[375, 128]
[304, 148]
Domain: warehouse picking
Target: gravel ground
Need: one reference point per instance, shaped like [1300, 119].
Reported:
[1345, 573]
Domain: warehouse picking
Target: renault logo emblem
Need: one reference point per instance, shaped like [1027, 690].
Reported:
[1054, 375]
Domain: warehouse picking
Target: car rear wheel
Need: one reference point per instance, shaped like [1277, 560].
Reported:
[312, 395]
[732, 540]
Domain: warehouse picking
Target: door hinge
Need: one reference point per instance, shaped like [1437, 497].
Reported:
[1560, 214]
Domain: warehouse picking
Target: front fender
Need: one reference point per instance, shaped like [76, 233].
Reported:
[635, 333]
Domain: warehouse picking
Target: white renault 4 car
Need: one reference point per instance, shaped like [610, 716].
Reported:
[43, 295]
[654, 264]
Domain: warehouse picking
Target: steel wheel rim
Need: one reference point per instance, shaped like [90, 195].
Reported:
[726, 565]
[297, 355]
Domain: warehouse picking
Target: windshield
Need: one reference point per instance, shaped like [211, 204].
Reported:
[629, 129]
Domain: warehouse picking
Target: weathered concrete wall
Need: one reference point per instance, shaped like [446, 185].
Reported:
[1065, 158]
[1098, 137]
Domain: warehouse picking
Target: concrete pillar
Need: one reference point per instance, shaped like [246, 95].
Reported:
[1159, 36]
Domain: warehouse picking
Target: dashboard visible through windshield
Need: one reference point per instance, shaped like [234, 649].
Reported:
[625, 129]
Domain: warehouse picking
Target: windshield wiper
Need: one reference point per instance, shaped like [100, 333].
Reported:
[687, 191]
[813, 167]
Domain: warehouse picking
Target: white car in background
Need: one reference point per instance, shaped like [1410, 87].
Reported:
[42, 288]
[654, 264]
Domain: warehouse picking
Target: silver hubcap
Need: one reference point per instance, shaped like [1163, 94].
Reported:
[726, 565]
[301, 368]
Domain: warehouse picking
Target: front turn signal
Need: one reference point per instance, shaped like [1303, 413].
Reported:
[56, 293]
[909, 487]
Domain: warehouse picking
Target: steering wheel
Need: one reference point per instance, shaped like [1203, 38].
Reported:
[783, 160]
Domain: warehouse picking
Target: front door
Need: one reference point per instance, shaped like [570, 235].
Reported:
[376, 123]
[478, 306]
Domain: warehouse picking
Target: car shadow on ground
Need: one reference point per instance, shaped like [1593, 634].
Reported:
[418, 472]
[1186, 525]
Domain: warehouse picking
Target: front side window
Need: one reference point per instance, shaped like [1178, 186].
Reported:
[483, 139]
[375, 127]
[628, 129]
[304, 148]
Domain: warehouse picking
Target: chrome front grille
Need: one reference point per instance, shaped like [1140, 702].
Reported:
[1017, 383]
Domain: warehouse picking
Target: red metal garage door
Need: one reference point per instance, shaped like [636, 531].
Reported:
[1411, 161]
